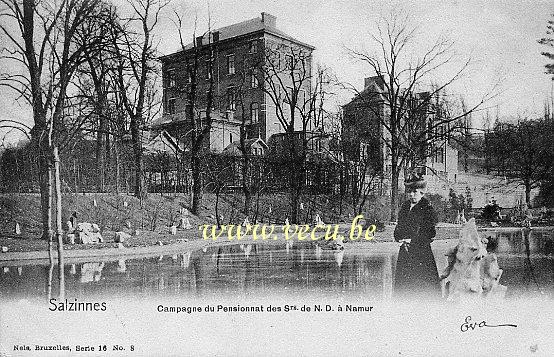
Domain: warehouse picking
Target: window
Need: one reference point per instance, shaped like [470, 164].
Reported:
[208, 69]
[231, 64]
[254, 46]
[288, 62]
[170, 106]
[301, 99]
[439, 155]
[170, 79]
[287, 97]
[231, 99]
[254, 112]
[276, 60]
[254, 78]
[188, 109]
[230, 138]
[317, 145]
[364, 152]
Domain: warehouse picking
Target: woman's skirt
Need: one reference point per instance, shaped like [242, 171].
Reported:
[416, 273]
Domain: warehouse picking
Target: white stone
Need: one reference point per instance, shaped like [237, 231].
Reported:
[88, 233]
[246, 222]
[186, 260]
[70, 238]
[5, 249]
[173, 230]
[339, 256]
[128, 224]
[338, 244]
[185, 223]
[91, 272]
[17, 229]
[121, 266]
[318, 221]
[125, 204]
[247, 250]
[70, 227]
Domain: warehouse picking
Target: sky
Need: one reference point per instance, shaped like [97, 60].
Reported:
[498, 37]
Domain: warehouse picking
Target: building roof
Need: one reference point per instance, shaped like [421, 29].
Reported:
[265, 23]
[169, 119]
[233, 149]
[163, 142]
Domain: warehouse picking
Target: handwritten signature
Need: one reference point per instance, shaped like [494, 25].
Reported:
[468, 325]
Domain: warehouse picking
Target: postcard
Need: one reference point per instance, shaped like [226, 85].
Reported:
[288, 178]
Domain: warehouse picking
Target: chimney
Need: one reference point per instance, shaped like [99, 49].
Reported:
[199, 41]
[374, 80]
[269, 20]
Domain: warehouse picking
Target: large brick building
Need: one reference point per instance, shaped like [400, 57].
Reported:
[241, 53]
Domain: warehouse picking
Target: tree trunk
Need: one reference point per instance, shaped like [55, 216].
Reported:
[528, 194]
[59, 230]
[394, 191]
[196, 184]
[100, 162]
[140, 184]
[45, 174]
[217, 191]
[245, 184]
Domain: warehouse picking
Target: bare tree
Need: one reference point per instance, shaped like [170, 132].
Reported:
[198, 109]
[135, 52]
[522, 152]
[549, 42]
[42, 48]
[403, 101]
[95, 82]
[297, 96]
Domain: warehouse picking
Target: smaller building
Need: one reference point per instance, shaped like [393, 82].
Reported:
[254, 147]
[366, 137]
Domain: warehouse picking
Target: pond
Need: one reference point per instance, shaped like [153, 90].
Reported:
[265, 270]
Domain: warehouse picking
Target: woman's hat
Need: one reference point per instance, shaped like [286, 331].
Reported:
[414, 181]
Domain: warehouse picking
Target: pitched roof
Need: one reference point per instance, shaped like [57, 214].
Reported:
[244, 28]
[233, 149]
[161, 143]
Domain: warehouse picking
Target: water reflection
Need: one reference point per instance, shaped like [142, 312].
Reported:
[525, 256]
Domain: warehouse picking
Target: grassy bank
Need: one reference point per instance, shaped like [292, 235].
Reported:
[152, 217]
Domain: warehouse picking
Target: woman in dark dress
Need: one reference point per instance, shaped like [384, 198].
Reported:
[416, 269]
